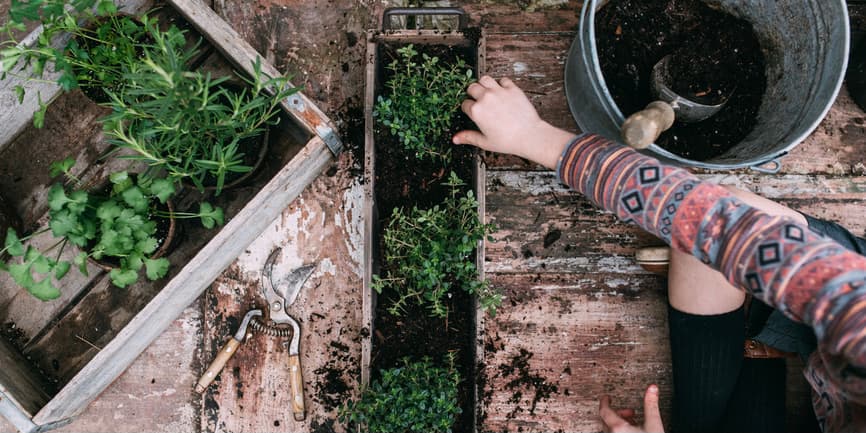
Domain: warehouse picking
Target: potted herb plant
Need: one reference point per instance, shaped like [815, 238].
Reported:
[193, 126]
[127, 226]
[196, 128]
[428, 254]
[424, 94]
[93, 56]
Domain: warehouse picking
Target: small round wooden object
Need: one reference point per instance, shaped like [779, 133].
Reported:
[643, 128]
[296, 382]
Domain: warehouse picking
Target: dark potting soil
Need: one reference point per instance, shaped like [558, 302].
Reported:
[415, 334]
[714, 56]
[403, 181]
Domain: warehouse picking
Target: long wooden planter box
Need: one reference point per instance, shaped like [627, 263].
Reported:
[375, 41]
[89, 336]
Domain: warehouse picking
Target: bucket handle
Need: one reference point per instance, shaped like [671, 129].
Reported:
[462, 18]
[770, 166]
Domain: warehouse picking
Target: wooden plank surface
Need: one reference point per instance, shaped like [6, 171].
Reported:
[321, 227]
[318, 41]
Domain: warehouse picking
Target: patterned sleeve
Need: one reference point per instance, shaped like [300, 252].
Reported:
[807, 277]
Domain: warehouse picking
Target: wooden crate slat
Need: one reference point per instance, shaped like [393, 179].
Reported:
[188, 284]
[19, 382]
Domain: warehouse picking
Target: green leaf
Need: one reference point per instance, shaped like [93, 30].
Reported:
[67, 81]
[106, 7]
[62, 223]
[13, 244]
[163, 189]
[57, 197]
[39, 114]
[118, 177]
[135, 199]
[44, 290]
[20, 272]
[122, 278]
[19, 93]
[108, 211]
[61, 268]
[59, 167]
[81, 261]
[156, 268]
[146, 245]
[42, 265]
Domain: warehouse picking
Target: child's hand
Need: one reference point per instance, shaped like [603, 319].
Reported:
[510, 124]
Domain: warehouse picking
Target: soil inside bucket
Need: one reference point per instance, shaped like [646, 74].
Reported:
[714, 55]
[404, 181]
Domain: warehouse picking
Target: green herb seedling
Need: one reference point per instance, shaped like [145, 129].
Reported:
[422, 99]
[429, 252]
[416, 397]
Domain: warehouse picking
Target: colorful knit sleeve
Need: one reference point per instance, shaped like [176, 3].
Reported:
[809, 278]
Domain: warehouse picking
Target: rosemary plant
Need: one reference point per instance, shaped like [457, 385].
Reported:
[186, 122]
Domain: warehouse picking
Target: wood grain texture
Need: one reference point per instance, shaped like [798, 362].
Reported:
[155, 393]
[545, 227]
[588, 334]
[19, 382]
[323, 226]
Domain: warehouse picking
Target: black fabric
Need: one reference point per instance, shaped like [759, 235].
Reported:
[837, 233]
[706, 355]
[757, 404]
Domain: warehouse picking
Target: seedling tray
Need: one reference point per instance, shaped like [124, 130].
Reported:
[377, 42]
[58, 356]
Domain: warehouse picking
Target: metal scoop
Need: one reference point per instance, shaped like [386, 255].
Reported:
[643, 128]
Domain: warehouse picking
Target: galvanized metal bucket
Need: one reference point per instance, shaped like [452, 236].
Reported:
[805, 44]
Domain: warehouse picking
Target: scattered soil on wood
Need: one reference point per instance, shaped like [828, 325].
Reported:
[714, 56]
[402, 181]
[331, 387]
[525, 381]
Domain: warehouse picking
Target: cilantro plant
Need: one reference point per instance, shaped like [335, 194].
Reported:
[413, 398]
[422, 97]
[117, 224]
[186, 122]
[429, 252]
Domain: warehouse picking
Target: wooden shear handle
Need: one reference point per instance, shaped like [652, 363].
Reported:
[217, 365]
[296, 381]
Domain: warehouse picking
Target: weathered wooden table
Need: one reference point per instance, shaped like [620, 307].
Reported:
[579, 311]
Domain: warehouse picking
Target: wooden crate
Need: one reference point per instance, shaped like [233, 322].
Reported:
[374, 86]
[88, 337]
